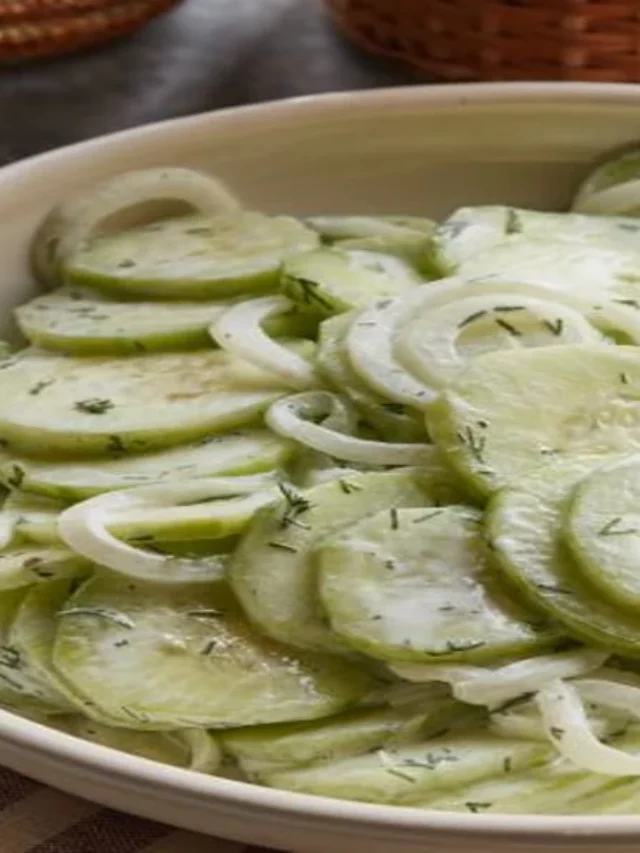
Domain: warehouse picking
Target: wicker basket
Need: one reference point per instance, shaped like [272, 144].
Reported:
[501, 39]
[40, 28]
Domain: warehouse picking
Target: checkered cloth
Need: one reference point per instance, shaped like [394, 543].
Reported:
[37, 819]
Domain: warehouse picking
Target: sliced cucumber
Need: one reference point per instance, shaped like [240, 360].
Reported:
[53, 404]
[410, 584]
[265, 749]
[246, 452]
[468, 231]
[613, 187]
[524, 531]
[184, 656]
[603, 531]
[392, 421]
[34, 517]
[13, 694]
[272, 572]
[596, 269]
[119, 202]
[412, 249]
[509, 413]
[330, 281]
[406, 775]
[191, 257]
[333, 228]
[23, 565]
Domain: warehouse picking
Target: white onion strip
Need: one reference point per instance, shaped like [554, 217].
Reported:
[84, 526]
[239, 332]
[565, 721]
[286, 417]
[610, 694]
[80, 217]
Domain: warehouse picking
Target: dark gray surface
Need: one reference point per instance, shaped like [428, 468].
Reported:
[202, 55]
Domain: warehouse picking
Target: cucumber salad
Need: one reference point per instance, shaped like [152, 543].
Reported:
[341, 505]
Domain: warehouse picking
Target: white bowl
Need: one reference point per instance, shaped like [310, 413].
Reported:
[417, 150]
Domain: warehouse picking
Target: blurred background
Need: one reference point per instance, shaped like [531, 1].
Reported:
[200, 55]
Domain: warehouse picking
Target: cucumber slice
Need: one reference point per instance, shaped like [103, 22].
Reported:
[84, 322]
[28, 647]
[468, 231]
[12, 690]
[235, 453]
[524, 531]
[408, 774]
[603, 529]
[333, 228]
[266, 749]
[509, 413]
[412, 249]
[410, 584]
[272, 572]
[167, 657]
[613, 187]
[191, 257]
[115, 406]
[280, 597]
[392, 421]
[330, 281]
[23, 565]
[35, 518]
[118, 202]
[596, 269]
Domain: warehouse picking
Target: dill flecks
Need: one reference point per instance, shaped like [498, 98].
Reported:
[283, 546]
[549, 587]
[623, 378]
[115, 445]
[297, 504]
[632, 303]
[516, 333]
[428, 516]
[475, 807]
[506, 765]
[348, 487]
[40, 386]
[310, 292]
[94, 406]
[10, 657]
[475, 443]
[504, 309]
[205, 612]
[16, 477]
[554, 326]
[393, 515]
[471, 318]
[209, 648]
[114, 616]
[557, 732]
[394, 408]
[611, 528]
[512, 225]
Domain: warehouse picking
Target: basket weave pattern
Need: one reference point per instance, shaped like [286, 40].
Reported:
[501, 39]
[39, 28]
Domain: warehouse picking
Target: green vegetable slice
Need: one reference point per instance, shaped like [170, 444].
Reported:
[329, 281]
[272, 572]
[185, 656]
[603, 529]
[260, 750]
[410, 584]
[34, 517]
[393, 421]
[22, 565]
[191, 257]
[347, 227]
[524, 528]
[406, 775]
[468, 231]
[612, 187]
[509, 413]
[115, 406]
[235, 453]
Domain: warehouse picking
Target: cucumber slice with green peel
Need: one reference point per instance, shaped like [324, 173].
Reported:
[603, 532]
[333, 228]
[410, 584]
[28, 646]
[596, 269]
[57, 405]
[407, 774]
[34, 517]
[612, 187]
[524, 529]
[510, 413]
[265, 749]
[84, 322]
[330, 281]
[392, 421]
[185, 656]
[412, 249]
[247, 452]
[468, 231]
[119, 202]
[191, 257]
[272, 571]
[22, 565]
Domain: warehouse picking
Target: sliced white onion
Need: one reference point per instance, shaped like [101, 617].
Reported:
[446, 673]
[428, 344]
[84, 526]
[567, 726]
[618, 200]
[286, 417]
[369, 344]
[239, 332]
[610, 694]
[73, 221]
